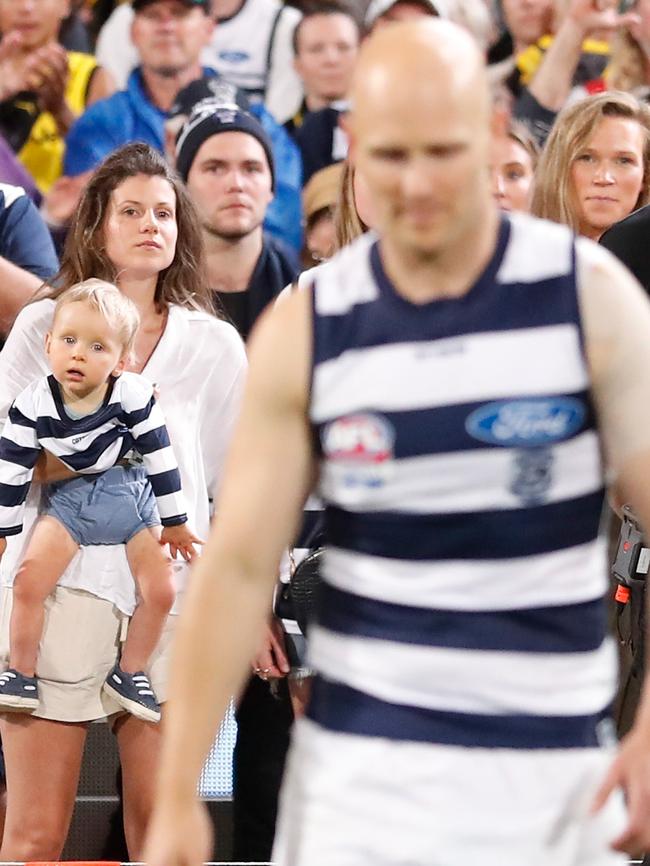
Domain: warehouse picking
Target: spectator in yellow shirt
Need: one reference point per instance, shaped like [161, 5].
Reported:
[43, 87]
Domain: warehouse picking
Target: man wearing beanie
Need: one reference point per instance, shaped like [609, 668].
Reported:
[224, 156]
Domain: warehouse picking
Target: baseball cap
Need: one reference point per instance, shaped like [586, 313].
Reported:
[208, 119]
[377, 8]
[201, 4]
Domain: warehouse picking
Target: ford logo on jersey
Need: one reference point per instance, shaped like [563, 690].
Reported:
[527, 423]
[233, 56]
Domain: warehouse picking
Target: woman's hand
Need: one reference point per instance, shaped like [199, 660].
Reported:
[12, 75]
[47, 74]
[271, 662]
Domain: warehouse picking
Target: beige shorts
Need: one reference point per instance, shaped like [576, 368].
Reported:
[79, 645]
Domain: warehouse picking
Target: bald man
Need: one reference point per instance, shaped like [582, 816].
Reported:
[452, 383]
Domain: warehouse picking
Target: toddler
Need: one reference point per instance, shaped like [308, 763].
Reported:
[91, 415]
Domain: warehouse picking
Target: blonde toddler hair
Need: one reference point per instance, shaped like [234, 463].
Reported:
[120, 313]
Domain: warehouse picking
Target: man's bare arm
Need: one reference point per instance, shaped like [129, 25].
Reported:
[268, 473]
[616, 316]
[18, 287]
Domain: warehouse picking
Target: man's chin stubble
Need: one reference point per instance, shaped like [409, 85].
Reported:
[167, 71]
[228, 234]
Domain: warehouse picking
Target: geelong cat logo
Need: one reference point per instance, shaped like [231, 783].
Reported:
[526, 423]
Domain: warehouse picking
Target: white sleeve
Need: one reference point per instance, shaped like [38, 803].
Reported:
[23, 357]
[284, 91]
[615, 314]
[114, 50]
[223, 391]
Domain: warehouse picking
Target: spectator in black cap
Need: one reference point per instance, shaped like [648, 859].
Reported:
[137, 113]
[167, 65]
[250, 46]
[226, 160]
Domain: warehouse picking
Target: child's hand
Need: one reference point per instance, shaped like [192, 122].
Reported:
[3, 546]
[180, 540]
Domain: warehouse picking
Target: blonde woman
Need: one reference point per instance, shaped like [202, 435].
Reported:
[595, 168]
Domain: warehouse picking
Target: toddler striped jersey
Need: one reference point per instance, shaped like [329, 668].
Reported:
[128, 418]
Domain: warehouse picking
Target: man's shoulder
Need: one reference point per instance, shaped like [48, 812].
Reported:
[629, 229]
[106, 111]
[80, 62]
[627, 240]
[104, 126]
[345, 280]
[14, 204]
[9, 194]
[536, 250]
[286, 257]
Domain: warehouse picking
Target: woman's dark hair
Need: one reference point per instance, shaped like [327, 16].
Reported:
[184, 282]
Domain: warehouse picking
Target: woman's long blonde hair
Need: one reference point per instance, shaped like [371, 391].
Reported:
[628, 67]
[553, 197]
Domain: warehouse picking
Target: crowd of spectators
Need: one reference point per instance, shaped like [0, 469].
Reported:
[247, 99]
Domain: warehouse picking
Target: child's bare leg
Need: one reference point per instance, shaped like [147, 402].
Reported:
[49, 552]
[152, 574]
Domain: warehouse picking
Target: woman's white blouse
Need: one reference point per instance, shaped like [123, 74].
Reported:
[198, 369]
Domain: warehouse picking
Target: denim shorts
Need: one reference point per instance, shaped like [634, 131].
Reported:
[103, 509]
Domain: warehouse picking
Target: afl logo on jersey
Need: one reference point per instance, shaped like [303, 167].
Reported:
[527, 423]
[362, 445]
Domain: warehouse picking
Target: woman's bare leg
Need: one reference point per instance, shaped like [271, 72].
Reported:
[139, 745]
[49, 552]
[43, 761]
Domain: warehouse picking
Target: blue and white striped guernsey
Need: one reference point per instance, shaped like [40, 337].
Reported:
[128, 418]
[464, 584]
